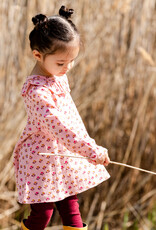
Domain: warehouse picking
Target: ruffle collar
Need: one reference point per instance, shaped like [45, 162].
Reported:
[58, 85]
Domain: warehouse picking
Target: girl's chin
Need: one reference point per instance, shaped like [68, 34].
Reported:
[60, 74]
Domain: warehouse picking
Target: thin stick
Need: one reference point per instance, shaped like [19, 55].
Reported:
[112, 162]
[62, 155]
[132, 167]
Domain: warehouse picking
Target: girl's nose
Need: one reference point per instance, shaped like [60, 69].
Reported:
[68, 67]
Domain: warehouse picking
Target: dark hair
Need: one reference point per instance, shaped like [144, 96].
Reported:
[51, 34]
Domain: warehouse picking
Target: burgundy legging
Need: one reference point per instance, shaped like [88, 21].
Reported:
[41, 213]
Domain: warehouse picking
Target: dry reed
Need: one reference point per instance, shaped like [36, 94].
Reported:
[114, 87]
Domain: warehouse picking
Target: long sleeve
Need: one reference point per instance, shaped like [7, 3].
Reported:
[54, 123]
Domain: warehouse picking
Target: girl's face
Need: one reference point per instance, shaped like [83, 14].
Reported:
[58, 64]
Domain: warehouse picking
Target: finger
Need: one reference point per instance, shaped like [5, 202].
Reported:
[107, 161]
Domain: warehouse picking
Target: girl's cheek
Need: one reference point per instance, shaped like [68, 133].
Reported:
[59, 68]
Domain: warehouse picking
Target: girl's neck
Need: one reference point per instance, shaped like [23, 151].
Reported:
[39, 70]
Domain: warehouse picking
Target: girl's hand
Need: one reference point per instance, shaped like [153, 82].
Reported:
[106, 160]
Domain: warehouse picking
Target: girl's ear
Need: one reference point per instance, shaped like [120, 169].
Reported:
[37, 55]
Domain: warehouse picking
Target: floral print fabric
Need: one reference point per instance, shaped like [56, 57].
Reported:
[54, 126]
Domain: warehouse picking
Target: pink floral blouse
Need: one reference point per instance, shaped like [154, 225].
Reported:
[54, 126]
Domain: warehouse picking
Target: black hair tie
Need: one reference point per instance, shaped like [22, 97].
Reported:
[65, 12]
[39, 19]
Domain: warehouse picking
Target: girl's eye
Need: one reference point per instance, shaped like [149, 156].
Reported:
[60, 64]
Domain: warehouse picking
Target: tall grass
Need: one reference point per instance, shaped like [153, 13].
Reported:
[114, 87]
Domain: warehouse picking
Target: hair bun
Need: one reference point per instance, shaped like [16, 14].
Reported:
[65, 12]
[38, 19]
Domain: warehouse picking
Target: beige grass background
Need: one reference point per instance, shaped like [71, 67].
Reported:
[114, 87]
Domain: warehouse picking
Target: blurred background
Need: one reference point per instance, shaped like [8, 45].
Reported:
[114, 87]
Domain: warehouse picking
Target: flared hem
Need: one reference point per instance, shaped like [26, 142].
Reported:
[65, 195]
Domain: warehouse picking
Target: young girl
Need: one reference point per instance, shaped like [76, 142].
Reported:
[54, 126]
